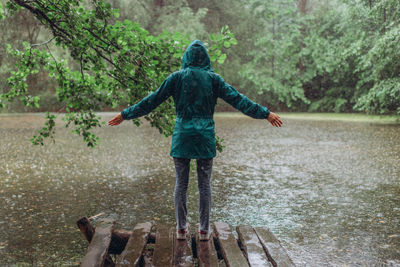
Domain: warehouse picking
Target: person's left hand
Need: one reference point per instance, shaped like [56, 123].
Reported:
[116, 120]
[274, 119]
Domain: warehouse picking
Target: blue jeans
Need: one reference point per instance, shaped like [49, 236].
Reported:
[182, 168]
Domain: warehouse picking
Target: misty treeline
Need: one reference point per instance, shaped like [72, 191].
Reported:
[291, 55]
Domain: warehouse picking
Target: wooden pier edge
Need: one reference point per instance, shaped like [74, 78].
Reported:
[97, 253]
[119, 238]
[228, 245]
[273, 248]
[156, 245]
[252, 247]
[132, 254]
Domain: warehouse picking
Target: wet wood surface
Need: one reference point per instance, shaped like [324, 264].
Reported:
[252, 247]
[274, 250]
[98, 248]
[119, 238]
[158, 247]
[229, 247]
[131, 256]
[206, 253]
[163, 248]
[183, 256]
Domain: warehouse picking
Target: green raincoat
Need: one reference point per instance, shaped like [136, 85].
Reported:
[195, 89]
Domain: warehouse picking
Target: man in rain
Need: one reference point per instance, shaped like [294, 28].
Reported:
[195, 89]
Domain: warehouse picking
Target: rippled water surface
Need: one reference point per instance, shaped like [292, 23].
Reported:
[330, 191]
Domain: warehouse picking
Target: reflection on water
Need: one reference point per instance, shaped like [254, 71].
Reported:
[329, 190]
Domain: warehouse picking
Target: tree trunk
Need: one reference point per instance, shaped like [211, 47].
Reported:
[302, 5]
[384, 21]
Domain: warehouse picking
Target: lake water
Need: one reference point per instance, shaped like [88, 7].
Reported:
[329, 190]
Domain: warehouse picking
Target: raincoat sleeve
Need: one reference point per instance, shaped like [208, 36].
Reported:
[150, 102]
[240, 101]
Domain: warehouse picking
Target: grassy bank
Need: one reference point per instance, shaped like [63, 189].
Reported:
[351, 117]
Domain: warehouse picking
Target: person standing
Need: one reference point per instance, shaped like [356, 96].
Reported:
[195, 89]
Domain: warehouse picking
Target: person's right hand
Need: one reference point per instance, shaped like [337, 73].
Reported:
[274, 119]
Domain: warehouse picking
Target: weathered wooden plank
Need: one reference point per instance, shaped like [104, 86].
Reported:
[134, 248]
[119, 238]
[163, 248]
[98, 248]
[252, 247]
[183, 256]
[228, 245]
[206, 253]
[276, 254]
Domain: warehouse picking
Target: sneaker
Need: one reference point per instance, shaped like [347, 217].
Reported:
[204, 235]
[182, 234]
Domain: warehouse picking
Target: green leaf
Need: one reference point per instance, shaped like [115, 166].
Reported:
[116, 13]
[221, 59]
[227, 44]
[2, 16]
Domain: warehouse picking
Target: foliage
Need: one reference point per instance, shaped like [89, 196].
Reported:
[332, 55]
[223, 40]
[177, 16]
[380, 68]
[274, 65]
[383, 98]
[47, 131]
[116, 63]
[308, 55]
[2, 16]
[330, 49]
[220, 145]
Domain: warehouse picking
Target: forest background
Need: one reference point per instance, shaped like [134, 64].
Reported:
[290, 55]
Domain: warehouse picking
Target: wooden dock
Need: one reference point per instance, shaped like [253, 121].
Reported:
[152, 245]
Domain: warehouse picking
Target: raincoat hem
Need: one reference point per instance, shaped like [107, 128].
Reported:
[190, 156]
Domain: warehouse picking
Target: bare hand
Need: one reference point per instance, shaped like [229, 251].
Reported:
[116, 120]
[274, 119]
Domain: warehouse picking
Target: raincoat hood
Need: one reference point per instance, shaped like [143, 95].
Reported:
[196, 56]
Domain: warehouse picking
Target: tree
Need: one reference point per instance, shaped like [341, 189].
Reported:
[274, 65]
[379, 85]
[116, 63]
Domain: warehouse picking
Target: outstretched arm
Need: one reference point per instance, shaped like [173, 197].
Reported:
[242, 103]
[147, 104]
